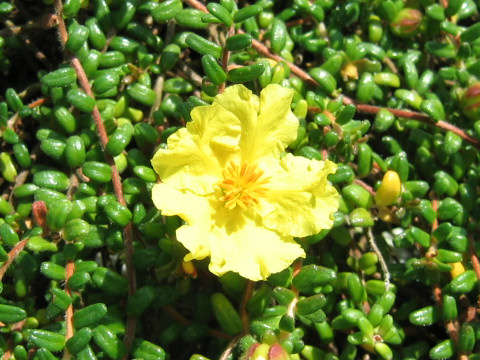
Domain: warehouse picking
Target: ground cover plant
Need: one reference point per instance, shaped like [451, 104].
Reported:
[239, 179]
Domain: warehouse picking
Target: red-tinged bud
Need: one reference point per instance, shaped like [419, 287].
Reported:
[39, 211]
[250, 351]
[189, 269]
[406, 23]
[277, 352]
[471, 101]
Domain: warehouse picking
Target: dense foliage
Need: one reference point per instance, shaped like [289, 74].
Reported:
[90, 90]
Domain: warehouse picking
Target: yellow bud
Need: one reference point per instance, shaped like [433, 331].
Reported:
[189, 268]
[350, 71]
[369, 348]
[457, 269]
[389, 190]
[385, 215]
[261, 353]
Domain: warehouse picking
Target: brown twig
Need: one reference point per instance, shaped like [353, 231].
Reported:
[69, 269]
[31, 47]
[365, 186]
[371, 109]
[247, 294]
[228, 351]
[12, 255]
[43, 22]
[390, 64]
[381, 260]
[197, 5]
[19, 180]
[190, 73]
[226, 57]
[37, 102]
[116, 181]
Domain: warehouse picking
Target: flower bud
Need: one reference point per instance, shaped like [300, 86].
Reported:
[406, 23]
[265, 352]
[189, 269]
[350, 71]
[457, 269]
[277, 352]
[385, 215]
[389, 190]
[250, 351]
[470, 102]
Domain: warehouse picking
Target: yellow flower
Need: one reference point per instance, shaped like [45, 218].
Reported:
[242, 198]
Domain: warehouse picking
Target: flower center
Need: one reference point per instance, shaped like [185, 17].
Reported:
[242, 185]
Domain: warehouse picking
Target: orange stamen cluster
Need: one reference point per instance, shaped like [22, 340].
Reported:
[242, 185]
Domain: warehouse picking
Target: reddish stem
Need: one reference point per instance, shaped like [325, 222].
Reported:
[69, 269]
[12, 255]
[365, 186]
[247, 294]
[370, 109]
[116, 180]
[37, 102]
[226, 57]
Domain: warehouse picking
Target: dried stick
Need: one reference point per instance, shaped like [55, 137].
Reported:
[228, 351]
[365, 186]
[69, 269]
[226, 57]
[381, 260]
[247, 294]
[12, 254]
[69, 312]
[117, 183]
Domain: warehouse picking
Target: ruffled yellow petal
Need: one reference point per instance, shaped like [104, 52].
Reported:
[240, 102]
[274, 128]
[195, 155]
[241, 202]
[248, 248]
[268, 125]
[299, 200]
[194, 210]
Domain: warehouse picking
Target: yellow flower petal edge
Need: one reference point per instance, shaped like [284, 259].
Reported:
[196, 154]
[300, 201]
[251, 250]
[241, 197]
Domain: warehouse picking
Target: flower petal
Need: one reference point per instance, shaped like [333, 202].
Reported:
[194, 210]
[196, 154]
[250, 249]
[240, 102]
[299, 200]
[274, 128]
